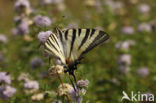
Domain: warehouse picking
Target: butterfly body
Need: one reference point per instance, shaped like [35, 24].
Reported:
[69, 46]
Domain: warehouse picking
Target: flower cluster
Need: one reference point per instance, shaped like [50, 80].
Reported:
[6, 91]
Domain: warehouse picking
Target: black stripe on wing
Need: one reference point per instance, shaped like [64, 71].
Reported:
[99, 39]
[85, 38]
[73, 40]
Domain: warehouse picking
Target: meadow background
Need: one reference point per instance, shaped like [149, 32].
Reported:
[125, 63]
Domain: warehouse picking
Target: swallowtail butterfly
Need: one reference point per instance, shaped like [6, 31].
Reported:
[69, 46]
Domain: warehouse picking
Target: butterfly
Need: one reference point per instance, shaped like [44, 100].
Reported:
[69, 46]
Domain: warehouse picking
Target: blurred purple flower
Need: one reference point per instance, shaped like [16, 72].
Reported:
[36, 62]
[127, 30]
[123, 69]
[144, 8]
[114, 5]
[5, 77]
[57, 1]
[124, 59]
[144, 27]
[82, 83]
[45, 2]
[43, 36]
[125, 45]
[3, 38]
[31, 85]
[19, 4]
[23, 28]
[42, 21]
[9, 91]
[143, 72]
[75, 97]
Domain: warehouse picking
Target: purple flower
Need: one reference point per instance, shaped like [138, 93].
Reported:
[42, 21]
[75, 97]
[3, 38]
[31, 85]
[19, 4]
[82, 83]
[9, 91]
[124, 59]
[127, 30]
[47, 2]
[43, 36]
[125, 45]
[36, 62]
[23, 28]
[57, 1]
[144, 27]
[143, 72]
[4, 77]
[143, 8]
[114, 5]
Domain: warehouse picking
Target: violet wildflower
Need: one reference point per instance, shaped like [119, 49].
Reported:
[9, 91]
[31, 86]
[114, 5]
[144, 27]
[43, 36]
[3, 38]
[82, 83]
[75, 97]
[143, 72]
[22, 5]
[124, 59]
[57, 1]
[5, 78]
[23, 28]
[127, 30]
[42, 21]
[125, 44]
[45, 2]
[36, 62]
[143, 8]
